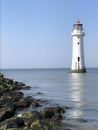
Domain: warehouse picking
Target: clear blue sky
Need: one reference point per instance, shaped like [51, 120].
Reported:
[37, 33]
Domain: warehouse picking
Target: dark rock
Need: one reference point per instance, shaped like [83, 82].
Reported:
[11, 123]
[6, 112]
[36, 103]
[57, 117]
[22, 103]
[47, 113]
[29, 99]
[11, 96]
[82, 120]
[40, 120]
[36, 125]
[39, 93]
[20, 122]
[16, 83]
[21, 84]
[1, 75]
[26, 87]
[31, 115]
[59, 109]
[66, 107]
[42, 101]
[52, 112]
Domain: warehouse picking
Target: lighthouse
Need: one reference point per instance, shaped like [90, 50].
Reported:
[78, 63]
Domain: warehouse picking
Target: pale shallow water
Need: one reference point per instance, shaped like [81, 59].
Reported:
[76, 90]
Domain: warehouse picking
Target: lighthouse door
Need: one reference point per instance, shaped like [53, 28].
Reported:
[78, 59]
[78, 62]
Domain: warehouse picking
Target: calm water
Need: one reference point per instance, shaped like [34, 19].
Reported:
[78, 91]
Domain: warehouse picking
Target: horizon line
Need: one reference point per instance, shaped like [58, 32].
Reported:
[45, 68]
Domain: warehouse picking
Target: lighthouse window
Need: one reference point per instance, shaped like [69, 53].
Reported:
[78, 37]
[78, 42]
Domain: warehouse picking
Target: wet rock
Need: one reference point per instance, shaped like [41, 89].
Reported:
[36, 125]
[29, 117]
[82, 120]
[11, 123]
[57, 117]
[29, 99]
[47, 113]
[22, 103]
[21, 84]
[41, 120]
[8, 81]
[1, 75]
[39, 93]
[59, 109]
[10, 97]
[35, 104]
[54, 113]
[6, 112]
[26, 87]
[42, 101]
[39, 102]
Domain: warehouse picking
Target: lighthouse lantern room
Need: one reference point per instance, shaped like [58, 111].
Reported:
[78, 63]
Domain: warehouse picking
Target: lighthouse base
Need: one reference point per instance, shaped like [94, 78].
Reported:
[79, 71]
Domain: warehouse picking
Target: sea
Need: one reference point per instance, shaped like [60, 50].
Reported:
[79, 91]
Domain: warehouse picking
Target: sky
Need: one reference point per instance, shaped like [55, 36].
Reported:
[37, 33]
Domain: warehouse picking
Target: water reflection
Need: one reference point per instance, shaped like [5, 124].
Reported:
[77, 94]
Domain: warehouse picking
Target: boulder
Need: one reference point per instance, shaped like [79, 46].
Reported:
[26, 87]
[1, 75]
[35, 103]
[36, 125]
[22, 103]
[6, 112]
[12, 123]
[29, 117]
[47, 113]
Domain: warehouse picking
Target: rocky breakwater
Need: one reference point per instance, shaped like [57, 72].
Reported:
[11, 100]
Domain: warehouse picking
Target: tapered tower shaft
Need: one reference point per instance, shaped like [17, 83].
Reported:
[78, 63]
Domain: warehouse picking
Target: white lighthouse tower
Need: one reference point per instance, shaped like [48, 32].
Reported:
[78, 63]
